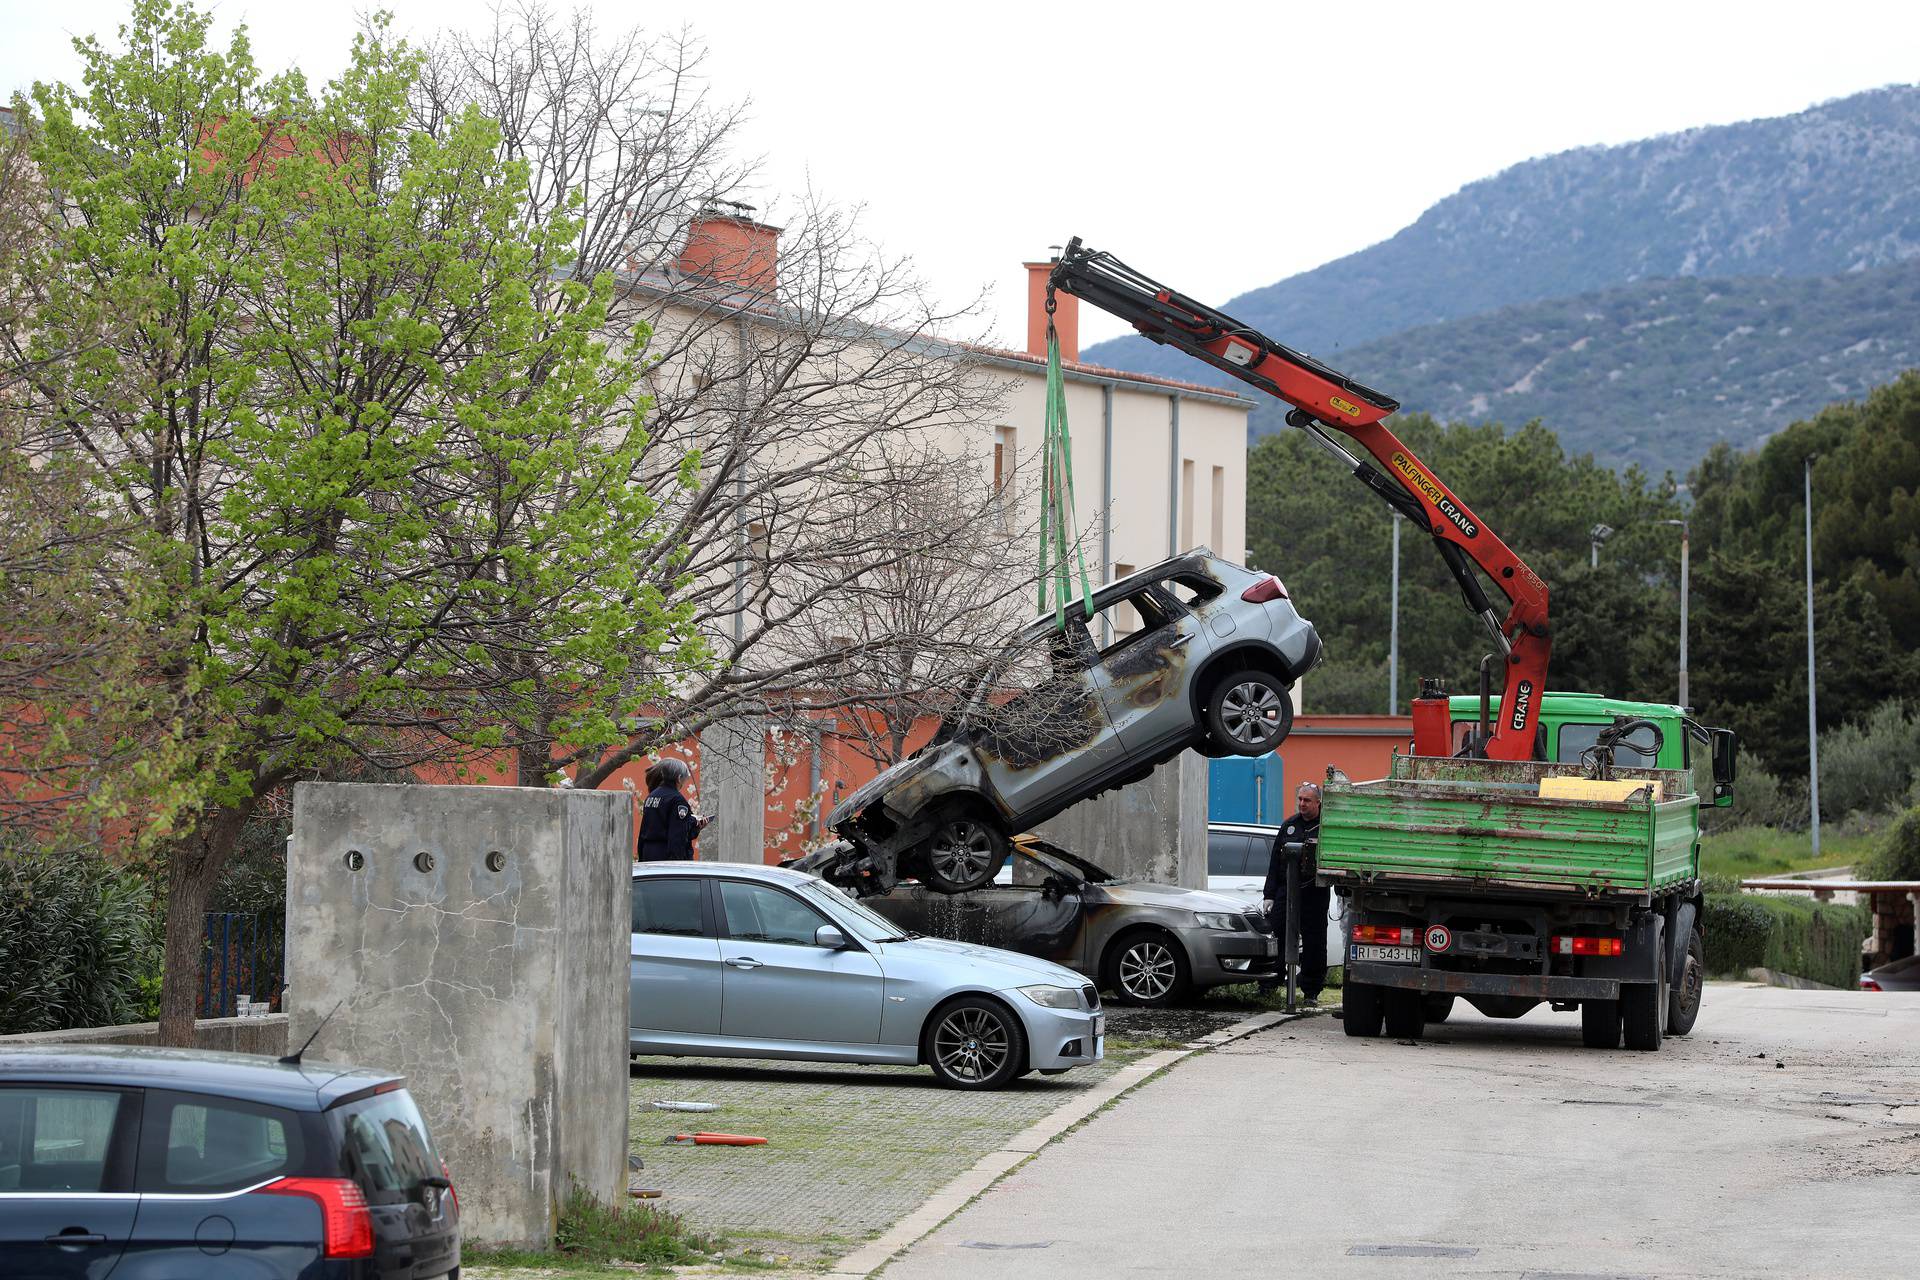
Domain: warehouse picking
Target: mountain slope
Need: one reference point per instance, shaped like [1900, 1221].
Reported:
[1832, 189]
[1655, 372]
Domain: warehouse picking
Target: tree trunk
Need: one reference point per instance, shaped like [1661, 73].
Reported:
[532, 761]
[193, 869]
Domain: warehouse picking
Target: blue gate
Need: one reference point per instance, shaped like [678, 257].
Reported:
[242, 955]
[1247, 789]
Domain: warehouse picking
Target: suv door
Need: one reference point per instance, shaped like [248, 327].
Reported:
[673, 970]
[1053, 734]
[778, 983]
[1145, 673]
[67, 1203]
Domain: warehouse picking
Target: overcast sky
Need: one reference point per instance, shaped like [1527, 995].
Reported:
[1216, 146]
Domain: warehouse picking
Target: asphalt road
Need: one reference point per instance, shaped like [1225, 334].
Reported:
[1781, 1139]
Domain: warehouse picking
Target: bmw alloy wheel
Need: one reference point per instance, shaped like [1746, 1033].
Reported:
[1148, 970]
[971, 1044]
[1251, 713]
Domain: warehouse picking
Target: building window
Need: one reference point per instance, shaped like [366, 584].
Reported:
[1006, 455]
[1219, 513]
[1186, 504]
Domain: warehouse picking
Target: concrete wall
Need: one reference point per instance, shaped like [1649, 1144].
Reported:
[475, 940]
[733, 788]
[266, 1035]
[1155, 829]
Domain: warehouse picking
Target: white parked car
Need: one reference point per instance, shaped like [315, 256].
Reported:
[1237, 857]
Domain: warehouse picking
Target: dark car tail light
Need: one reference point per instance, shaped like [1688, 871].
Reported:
[1268, 588]
[1868, 984]
[347, 1226]
[448, 1175]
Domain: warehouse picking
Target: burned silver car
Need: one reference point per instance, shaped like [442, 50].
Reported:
[1146, 944]
[1193, 652]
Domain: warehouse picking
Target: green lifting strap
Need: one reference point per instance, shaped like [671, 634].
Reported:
[1056, 494]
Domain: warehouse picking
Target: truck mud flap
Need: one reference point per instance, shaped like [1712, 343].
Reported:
[1537, 986]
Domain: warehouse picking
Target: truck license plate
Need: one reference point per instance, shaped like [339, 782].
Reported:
[1386, 955]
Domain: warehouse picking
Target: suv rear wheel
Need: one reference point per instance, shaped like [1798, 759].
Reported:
[964, 852]
[1248, 713]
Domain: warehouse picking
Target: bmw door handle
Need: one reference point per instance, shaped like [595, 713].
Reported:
[743, 962]
[72, 1238]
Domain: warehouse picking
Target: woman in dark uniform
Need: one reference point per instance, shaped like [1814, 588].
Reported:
[668, 823]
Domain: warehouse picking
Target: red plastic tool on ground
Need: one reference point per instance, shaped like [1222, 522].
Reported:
[715, 1140]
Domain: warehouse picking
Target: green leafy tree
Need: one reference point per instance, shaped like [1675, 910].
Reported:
[347, 451]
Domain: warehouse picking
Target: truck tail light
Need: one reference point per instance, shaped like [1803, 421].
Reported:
[1268, 588]
[1567, 946]
[346, 1225]
[1391, 934]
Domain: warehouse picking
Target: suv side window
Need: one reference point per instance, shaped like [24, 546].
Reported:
[56, 1139]
[762, 913]
[669, 906]
[1135, 616]
[194, 1144]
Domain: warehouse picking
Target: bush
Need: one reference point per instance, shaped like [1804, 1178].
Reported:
[1898, 856]
[1761, 799]
[1814, 940]
[78, 938]
[589, 1231]
[1867, 766]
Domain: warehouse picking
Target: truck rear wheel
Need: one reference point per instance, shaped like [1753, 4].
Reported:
[1600, 1024]
[1643, 1011]
[1436, 1007]
[1683, 1002]
[1360, 1009]
[1406, 1019]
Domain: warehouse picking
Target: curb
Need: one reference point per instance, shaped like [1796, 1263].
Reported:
[990, 1168]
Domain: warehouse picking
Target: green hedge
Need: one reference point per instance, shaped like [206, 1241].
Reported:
[79, 945]
[1814, 940]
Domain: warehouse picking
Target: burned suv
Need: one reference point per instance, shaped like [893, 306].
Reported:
[1193, 652]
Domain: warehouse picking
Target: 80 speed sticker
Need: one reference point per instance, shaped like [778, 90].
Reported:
[1439, 937]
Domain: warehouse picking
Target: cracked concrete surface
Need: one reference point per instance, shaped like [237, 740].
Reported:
[495, 985]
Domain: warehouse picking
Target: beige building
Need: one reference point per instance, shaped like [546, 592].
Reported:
[1159, 466]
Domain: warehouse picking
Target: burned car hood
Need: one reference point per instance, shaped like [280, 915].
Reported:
[888, 779]
[1169, 895]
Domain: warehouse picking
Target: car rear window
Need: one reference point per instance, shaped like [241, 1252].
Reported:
[384, 1144]
[194, 1144]
[54, 1139]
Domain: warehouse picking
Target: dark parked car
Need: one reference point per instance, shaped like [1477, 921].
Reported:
[1149, 944]
[167, 1164]
[1194, 652]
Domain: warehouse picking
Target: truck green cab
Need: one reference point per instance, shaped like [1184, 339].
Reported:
[1571, 879]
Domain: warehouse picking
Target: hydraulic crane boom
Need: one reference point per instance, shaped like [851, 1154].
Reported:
[1325, 398]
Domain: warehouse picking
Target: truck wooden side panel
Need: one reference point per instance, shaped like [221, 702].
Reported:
[1482, 823]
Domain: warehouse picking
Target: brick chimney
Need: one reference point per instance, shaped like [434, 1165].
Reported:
[726, 245]
[1066, 316]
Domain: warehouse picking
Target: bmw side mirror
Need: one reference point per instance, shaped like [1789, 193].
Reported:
[829, 937]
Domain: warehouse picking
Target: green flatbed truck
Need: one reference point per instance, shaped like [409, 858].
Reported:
[1463, 880]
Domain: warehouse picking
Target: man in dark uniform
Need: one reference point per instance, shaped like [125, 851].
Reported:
[1302, 828]
[668, 823]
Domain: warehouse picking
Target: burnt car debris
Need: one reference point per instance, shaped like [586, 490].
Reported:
[1146, 944]
[1193, 652]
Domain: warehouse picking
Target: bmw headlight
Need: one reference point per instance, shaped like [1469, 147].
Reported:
[1053, 997]
[1220, 920]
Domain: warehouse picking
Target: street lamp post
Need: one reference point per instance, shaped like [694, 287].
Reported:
[1685, 531]
[1599, 534]
[1813, 731]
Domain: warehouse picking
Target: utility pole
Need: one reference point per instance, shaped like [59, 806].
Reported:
[1813, 731]
[1393, 631]
[1595, 536]
[1685, 531]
